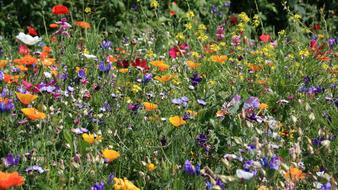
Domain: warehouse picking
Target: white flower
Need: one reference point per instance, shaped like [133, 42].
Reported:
[28, 39]
[89, 56]
[244, 174]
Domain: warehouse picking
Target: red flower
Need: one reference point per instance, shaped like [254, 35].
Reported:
[123, 63]
[24, 50]
[178, 50]
[173, 52]
[233, 20]
[316, 27]
[60, 10]
[32, 31]
[140, 63]
[264, 38]
[172, 13]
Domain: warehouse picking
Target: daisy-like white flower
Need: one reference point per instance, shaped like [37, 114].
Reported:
[28, 39]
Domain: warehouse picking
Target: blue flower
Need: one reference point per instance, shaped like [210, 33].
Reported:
[274, 163]
[106, 44]
[98, 186]
[103, 67]
[11, 160]
[189, 168]
[195, 79]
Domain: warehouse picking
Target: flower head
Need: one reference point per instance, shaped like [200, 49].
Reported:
[91, 138]
[110, 155]
[33, 114]
[177, 121]
[60, 10]
[26, 98]
[151, 167]
[11, 160]
[8, 180]
[150, 106]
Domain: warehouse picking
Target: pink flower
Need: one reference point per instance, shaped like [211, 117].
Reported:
[264, 38]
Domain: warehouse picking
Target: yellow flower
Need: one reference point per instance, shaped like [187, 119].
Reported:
[124, 70]
[91, 138]
[150, 106]
[154, 4]
[177, 121]
[190, 14]
[110, 155]
[214, 47]
[203, 37]
[88, 10]
[202, 27]
[150, 54]
[3, 63]
[244, 17]
[263, 187]
[188, 26]
[26, 98]
[263, 106]
[124, 184]
[136, 88]
[151, 167]
[180, 36]
[195, 54]
[33, 114]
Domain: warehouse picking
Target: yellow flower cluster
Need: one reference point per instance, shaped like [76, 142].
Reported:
[124, 184]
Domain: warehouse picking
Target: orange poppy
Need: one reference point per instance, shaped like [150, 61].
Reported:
[26, 98]
[177, 121]
[160, 65]
[164, 78]
[192, 65]
[219, 58]
[11, 79]
[26, 60]
[3, 63]
[33, 114]
[112, 59]
[8, 180]
[48, 61]
[294, 174]
[150, 106]
[254, 67]
[83, 24]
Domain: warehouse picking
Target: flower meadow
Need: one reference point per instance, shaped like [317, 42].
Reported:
[176, 102]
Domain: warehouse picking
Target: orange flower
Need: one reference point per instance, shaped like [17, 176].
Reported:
[160, 65]
[10, 79]
[294, 174]
[22, 68]
[263, 106]
[219, 58]
[150, 106]
[192, 65]
[3, 63]
[112, 59]
[53, 25]
[48, 61]
[26, 60]
[125, 70]
[82, 24]
[26, 98]
[33, 114]
[177, 121]
[164, 78]
[8, 180]
[254, 67]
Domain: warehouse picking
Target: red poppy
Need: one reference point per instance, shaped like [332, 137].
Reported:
[233, 20]
[172, 13]
[32, 31]
[264, 38]
[60, 10]
[316, 27]
[140, 63]
[123, 63]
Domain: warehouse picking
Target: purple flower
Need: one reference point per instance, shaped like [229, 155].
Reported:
[1, 51]
[186, 116]
[327, 186]
[81, 74]
[195, 79]
[201, 102]
[1, 75]
[252, 102]
[79, 131]
[248, 164]
[275, 162]
[106, 107]
[189, 168]
[307, 80]
[336, 102]
[147, 77]
[36, 168]
[6, 106]
[10, 160]
[332, 42]
[264, 162]
[220, 183]
[103, 67]
[181, 101]
[98, 186]
[133, 107]
[110, 178]
[220, 33]
[106, 44]
[214, 9]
